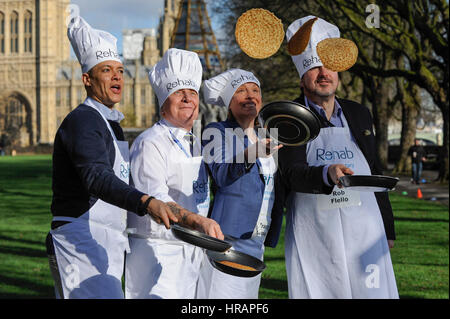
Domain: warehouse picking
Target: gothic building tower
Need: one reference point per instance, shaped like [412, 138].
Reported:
[193, 32]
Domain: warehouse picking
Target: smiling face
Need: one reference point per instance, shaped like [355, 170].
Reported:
[104, 82]
[246, 101]
[181, 108]
[319, 82]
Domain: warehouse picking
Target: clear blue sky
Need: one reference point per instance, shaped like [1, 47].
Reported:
[116, 15]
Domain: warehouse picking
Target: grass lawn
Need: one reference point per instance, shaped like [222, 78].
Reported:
[420, 256]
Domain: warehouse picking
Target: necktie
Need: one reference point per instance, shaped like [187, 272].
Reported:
[190, 138]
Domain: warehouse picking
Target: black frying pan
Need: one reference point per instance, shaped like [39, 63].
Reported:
[199, 239]
[236, 257]
[295, 123]
[369, 183]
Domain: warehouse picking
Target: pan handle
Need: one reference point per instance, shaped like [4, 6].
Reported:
[228, 237]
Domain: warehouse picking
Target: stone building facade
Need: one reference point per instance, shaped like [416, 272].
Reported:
[40, 83]
[33, 46]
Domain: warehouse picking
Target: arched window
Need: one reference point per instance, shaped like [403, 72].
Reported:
[13, 113]
[58, 97]
[14, 32]
[15, 120]
[67, 96]
[28, 31]
[2, 32]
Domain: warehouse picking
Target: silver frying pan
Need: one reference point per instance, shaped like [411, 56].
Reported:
[295, 124]
[199, 239]
[369, 183]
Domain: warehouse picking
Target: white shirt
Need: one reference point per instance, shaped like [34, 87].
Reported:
[162, 166]
[109, 113]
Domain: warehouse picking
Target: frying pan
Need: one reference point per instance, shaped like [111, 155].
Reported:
[369, 183]
[296, 124]
[199, 239]
[236, 257]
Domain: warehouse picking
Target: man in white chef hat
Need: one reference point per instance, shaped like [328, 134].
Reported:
[91, 195]
[166, 162]
[336, 239]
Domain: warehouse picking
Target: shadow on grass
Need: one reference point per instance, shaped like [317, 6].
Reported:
[420, 264]
[22, 251]
[42, 290]
[410, 297]
[270, 258]
[25, 241]
[274, 284]
[4, 191]
[408, 219]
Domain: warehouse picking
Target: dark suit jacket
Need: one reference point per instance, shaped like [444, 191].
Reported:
[295, 174]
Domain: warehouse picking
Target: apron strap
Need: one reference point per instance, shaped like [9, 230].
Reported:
[86, 222]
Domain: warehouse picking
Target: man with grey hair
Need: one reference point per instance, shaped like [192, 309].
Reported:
[166, 162]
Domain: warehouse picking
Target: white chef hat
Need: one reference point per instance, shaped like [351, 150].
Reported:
[220, 89]
[178, 69]
[91, 46]
[321, 30]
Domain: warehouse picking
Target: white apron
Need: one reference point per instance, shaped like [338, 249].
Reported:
[214, 284]
[336, 245]
[90, 249]
[160, 265]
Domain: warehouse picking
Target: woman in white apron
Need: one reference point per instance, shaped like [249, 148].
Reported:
[336, 245]
[245, 189]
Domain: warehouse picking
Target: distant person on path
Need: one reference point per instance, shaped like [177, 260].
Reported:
[418, 156]
[2, 147]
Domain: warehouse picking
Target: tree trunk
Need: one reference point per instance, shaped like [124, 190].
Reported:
[409, 122]
[380, 111]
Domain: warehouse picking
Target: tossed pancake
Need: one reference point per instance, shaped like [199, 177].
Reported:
[299, 41]
[337, 54]
[259, 33]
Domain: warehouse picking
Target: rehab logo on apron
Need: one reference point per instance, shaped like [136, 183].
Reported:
[343, 154]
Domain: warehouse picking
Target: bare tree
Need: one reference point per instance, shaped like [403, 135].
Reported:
[415, 32]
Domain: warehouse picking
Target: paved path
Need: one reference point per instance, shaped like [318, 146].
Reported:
[430, 190]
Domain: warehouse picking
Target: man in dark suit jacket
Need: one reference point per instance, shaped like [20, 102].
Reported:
[336, 244]
[294, 168]
[296, 175]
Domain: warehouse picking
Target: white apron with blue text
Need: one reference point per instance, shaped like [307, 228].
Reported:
[213, 283]
[160, 265]
[90, 249]
[336, 246]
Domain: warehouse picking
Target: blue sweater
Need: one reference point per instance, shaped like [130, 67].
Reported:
[83, 159]
[240, 191]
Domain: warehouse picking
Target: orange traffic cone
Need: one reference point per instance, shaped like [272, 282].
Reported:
[419, 193]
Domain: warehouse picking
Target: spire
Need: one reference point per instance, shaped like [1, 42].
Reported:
[193, 32]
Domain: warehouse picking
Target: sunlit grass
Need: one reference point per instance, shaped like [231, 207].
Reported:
[420, 256]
